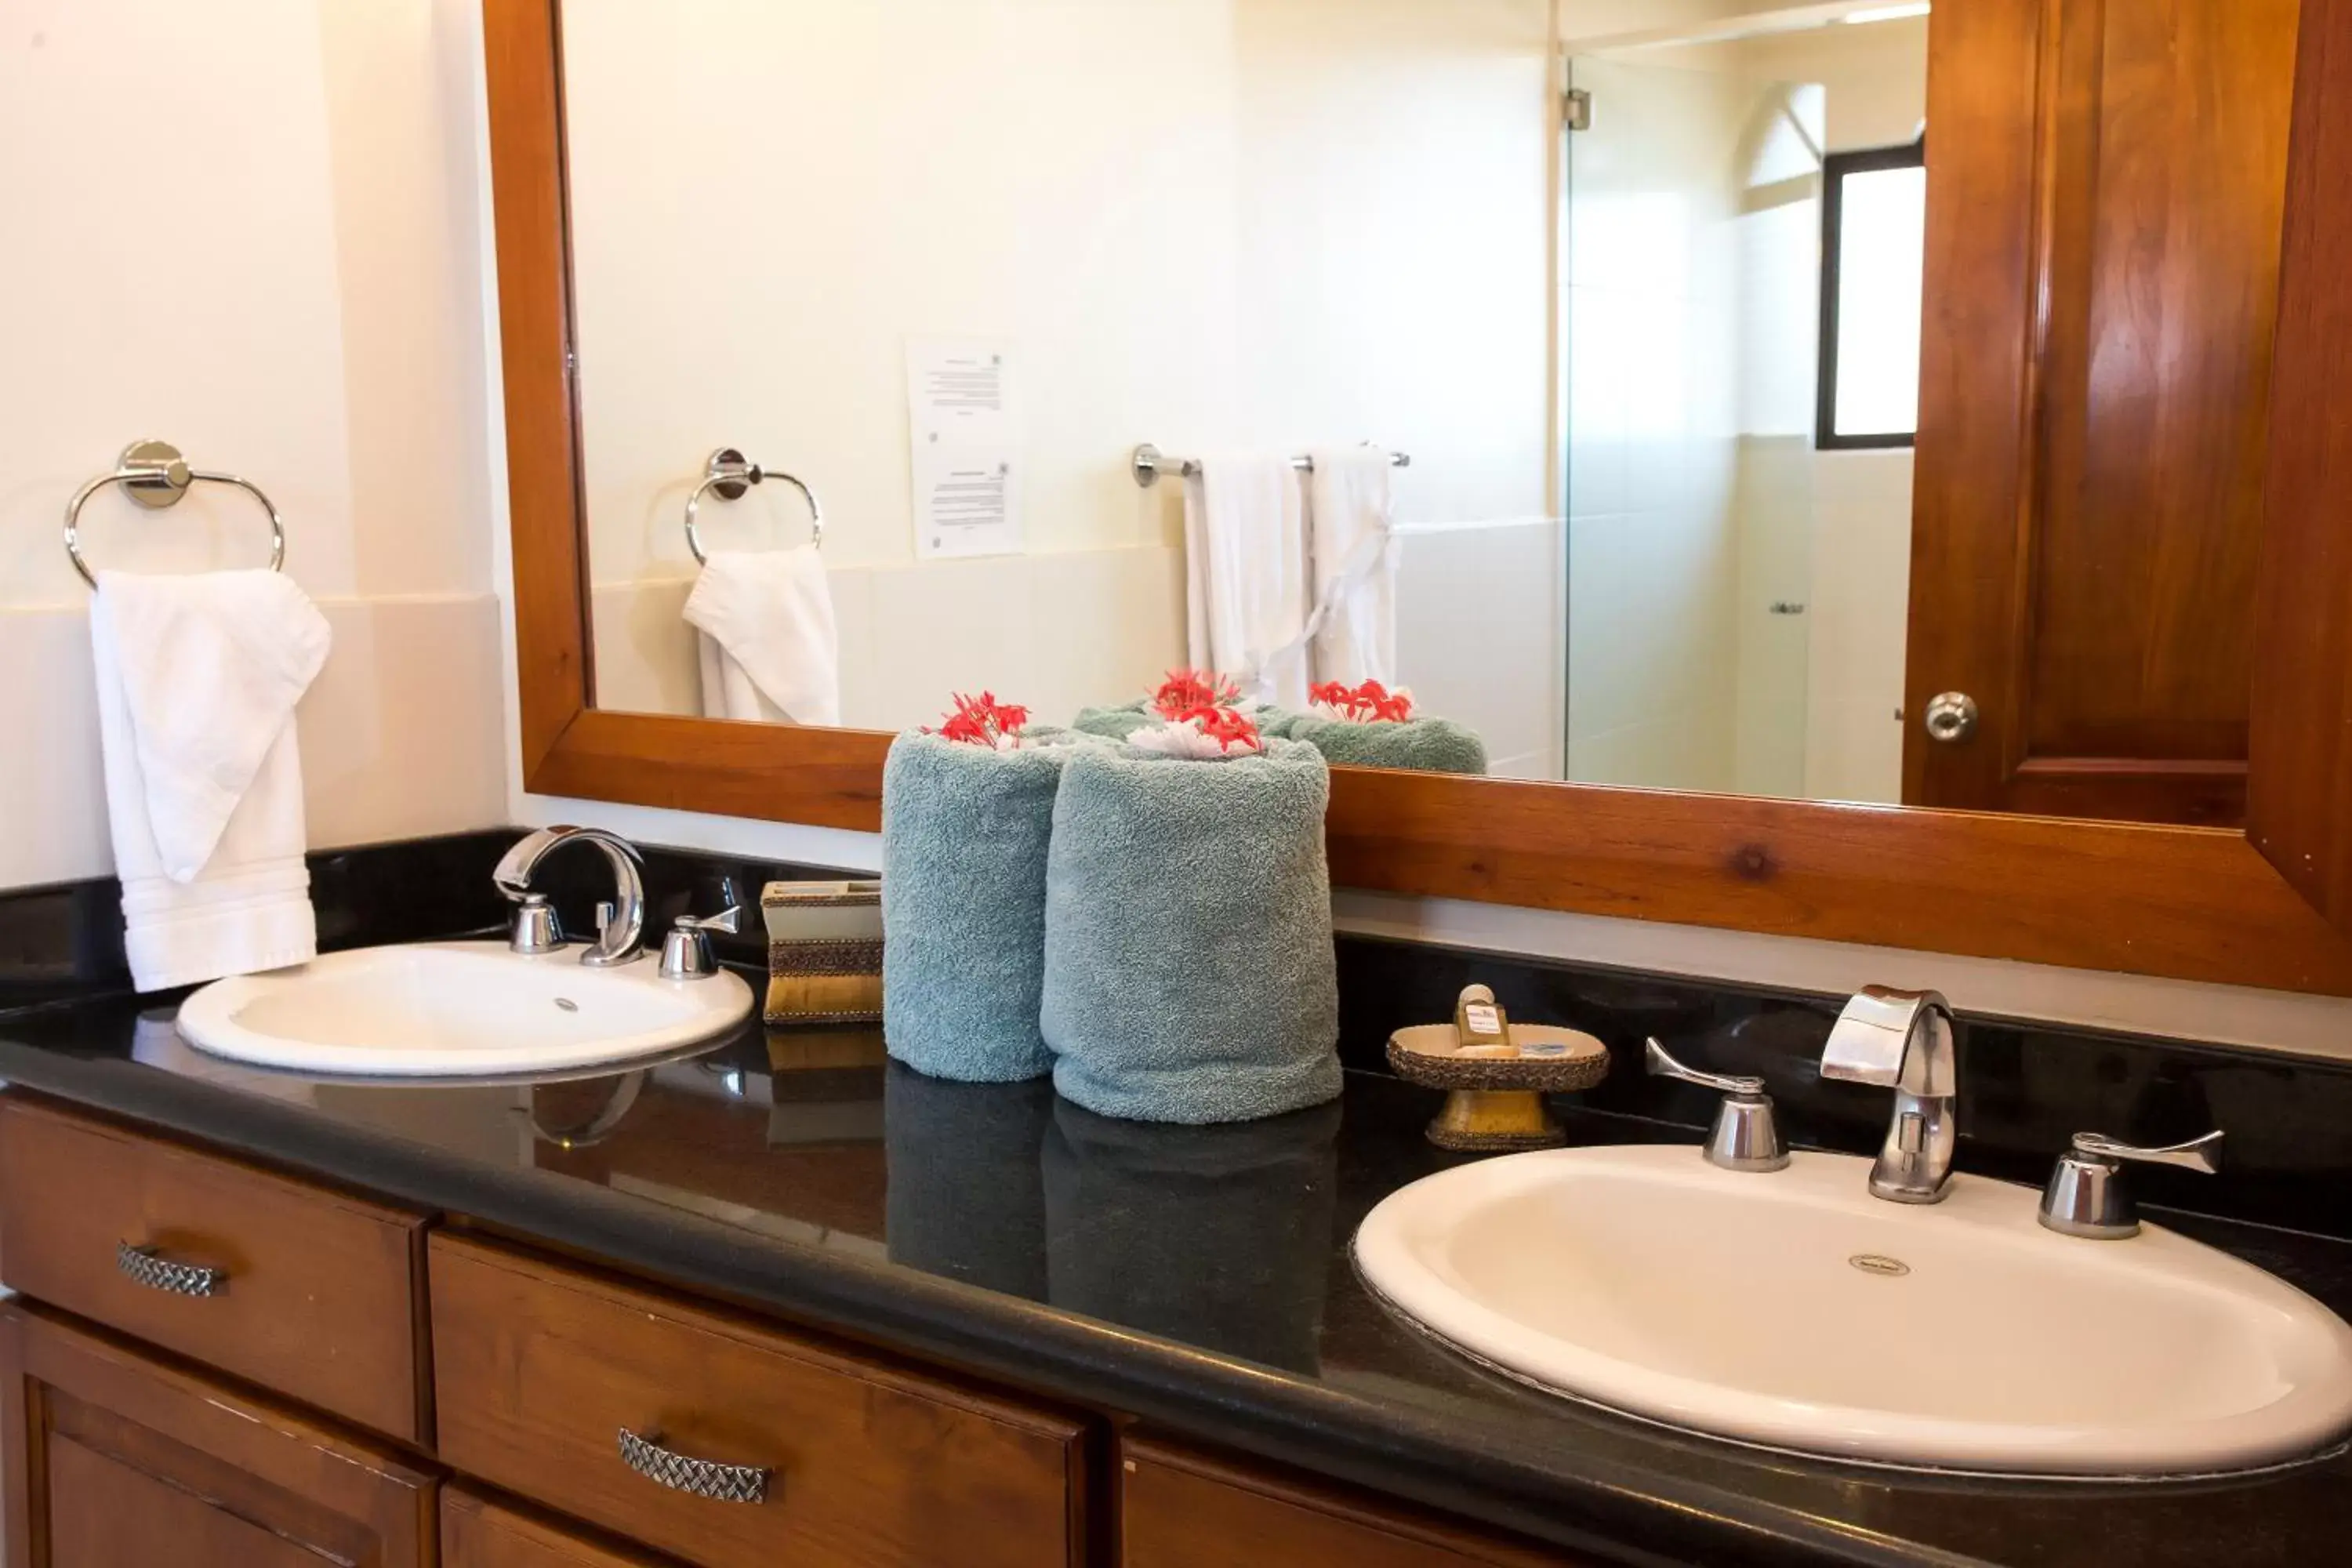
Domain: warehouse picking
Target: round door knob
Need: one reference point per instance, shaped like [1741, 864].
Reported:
[1951, 717]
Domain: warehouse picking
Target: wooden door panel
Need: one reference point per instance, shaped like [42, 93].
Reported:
[1181, 1509]
[111, 1457]
[2299, 810]
[480, 1534]
[104, 1514]
[2101, 612]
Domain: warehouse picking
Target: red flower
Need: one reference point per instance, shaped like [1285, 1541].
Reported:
[1370, 703]
[1229, 726]
[1186, 690]
[982, 721]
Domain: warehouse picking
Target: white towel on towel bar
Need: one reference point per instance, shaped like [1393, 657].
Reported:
[769, 646]
[1355, 556]
[197, 681]
[1247, 594]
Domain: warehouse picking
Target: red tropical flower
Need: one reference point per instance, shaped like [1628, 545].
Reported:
[1370, 703]
[1187, 690]
[982, 721]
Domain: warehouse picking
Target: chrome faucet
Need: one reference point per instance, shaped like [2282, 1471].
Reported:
[620, 924]
[1902, 1040]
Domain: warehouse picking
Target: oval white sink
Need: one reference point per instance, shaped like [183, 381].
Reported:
[1796, 1311]
[455, 1009]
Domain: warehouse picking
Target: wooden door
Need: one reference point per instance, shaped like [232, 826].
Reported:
[114, 1458]
[2106, 184]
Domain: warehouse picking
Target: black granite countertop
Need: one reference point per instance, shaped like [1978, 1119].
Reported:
[1197, 1278]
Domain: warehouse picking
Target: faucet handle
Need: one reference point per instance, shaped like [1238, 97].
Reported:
[2087, 1194]
[1661, 1065]
[686, 951]
[2203, 1154]
[1745, 1137]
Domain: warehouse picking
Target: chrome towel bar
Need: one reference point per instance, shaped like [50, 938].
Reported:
[728, 474]
[1148, 462]
[155, 475]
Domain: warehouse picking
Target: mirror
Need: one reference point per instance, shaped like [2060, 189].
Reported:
[1556, 363]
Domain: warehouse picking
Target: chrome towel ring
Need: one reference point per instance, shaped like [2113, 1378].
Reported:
[155, 475]
[728, 475]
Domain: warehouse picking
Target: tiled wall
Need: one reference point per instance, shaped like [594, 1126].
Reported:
[250, 230]
[1480, 635]
[1054, 632]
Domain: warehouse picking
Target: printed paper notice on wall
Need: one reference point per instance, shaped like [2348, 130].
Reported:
[965, 425]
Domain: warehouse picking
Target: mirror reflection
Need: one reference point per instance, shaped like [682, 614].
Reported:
[1553, 363]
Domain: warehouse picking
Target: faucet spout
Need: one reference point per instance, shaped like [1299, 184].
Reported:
[619, 936]
[1903, 1040]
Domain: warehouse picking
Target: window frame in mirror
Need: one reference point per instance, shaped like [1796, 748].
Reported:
[2191, 903]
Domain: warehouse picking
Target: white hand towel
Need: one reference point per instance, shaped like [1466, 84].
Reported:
[770, 648]
[197, 680]
[1247, 590]
[1355, 556]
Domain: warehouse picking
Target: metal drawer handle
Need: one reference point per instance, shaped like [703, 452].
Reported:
[696, 1477]
[144, 1265]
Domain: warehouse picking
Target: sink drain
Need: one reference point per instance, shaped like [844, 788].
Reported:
[567, 1004]
[1875, 1263]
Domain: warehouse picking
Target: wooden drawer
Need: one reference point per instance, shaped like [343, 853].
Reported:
[318, 1295]
[539, 1369]
[1183, 1510]
[480, 1534]
[116, 1459]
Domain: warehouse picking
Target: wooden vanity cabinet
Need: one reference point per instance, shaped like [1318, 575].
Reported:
[116, 1459]
[477, 1533]
[1179, 1509]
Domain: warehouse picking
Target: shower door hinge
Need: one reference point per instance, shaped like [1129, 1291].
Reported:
[1576, 111]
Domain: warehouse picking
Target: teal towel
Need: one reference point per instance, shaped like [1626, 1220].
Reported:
[1189, 971]
[1426, 745]
[1115, 723]
[1119, 724]
[964, 830]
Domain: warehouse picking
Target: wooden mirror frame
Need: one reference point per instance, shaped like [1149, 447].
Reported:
[2201, 904]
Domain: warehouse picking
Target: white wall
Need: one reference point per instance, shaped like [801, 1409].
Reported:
[1202, 223]
[249, 227]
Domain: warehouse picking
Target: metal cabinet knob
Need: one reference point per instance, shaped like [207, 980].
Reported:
[1951, 717]
[696, 1477]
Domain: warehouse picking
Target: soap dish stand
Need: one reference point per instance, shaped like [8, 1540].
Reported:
[1495, 1104]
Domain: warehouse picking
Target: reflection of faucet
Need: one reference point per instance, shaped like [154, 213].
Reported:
[1903, 1040]
[619, 924]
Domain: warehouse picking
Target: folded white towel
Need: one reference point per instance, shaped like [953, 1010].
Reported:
[770, 648]
[1355, 556]
[1248, 594]
[197, 680]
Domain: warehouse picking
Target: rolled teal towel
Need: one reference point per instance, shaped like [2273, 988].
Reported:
[1115, 723]
[1427, 745]
[1189, 971]
[964, 830]
[1119, 724]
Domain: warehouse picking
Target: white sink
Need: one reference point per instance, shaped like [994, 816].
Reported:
[1796, 1311]
[457, 1009]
